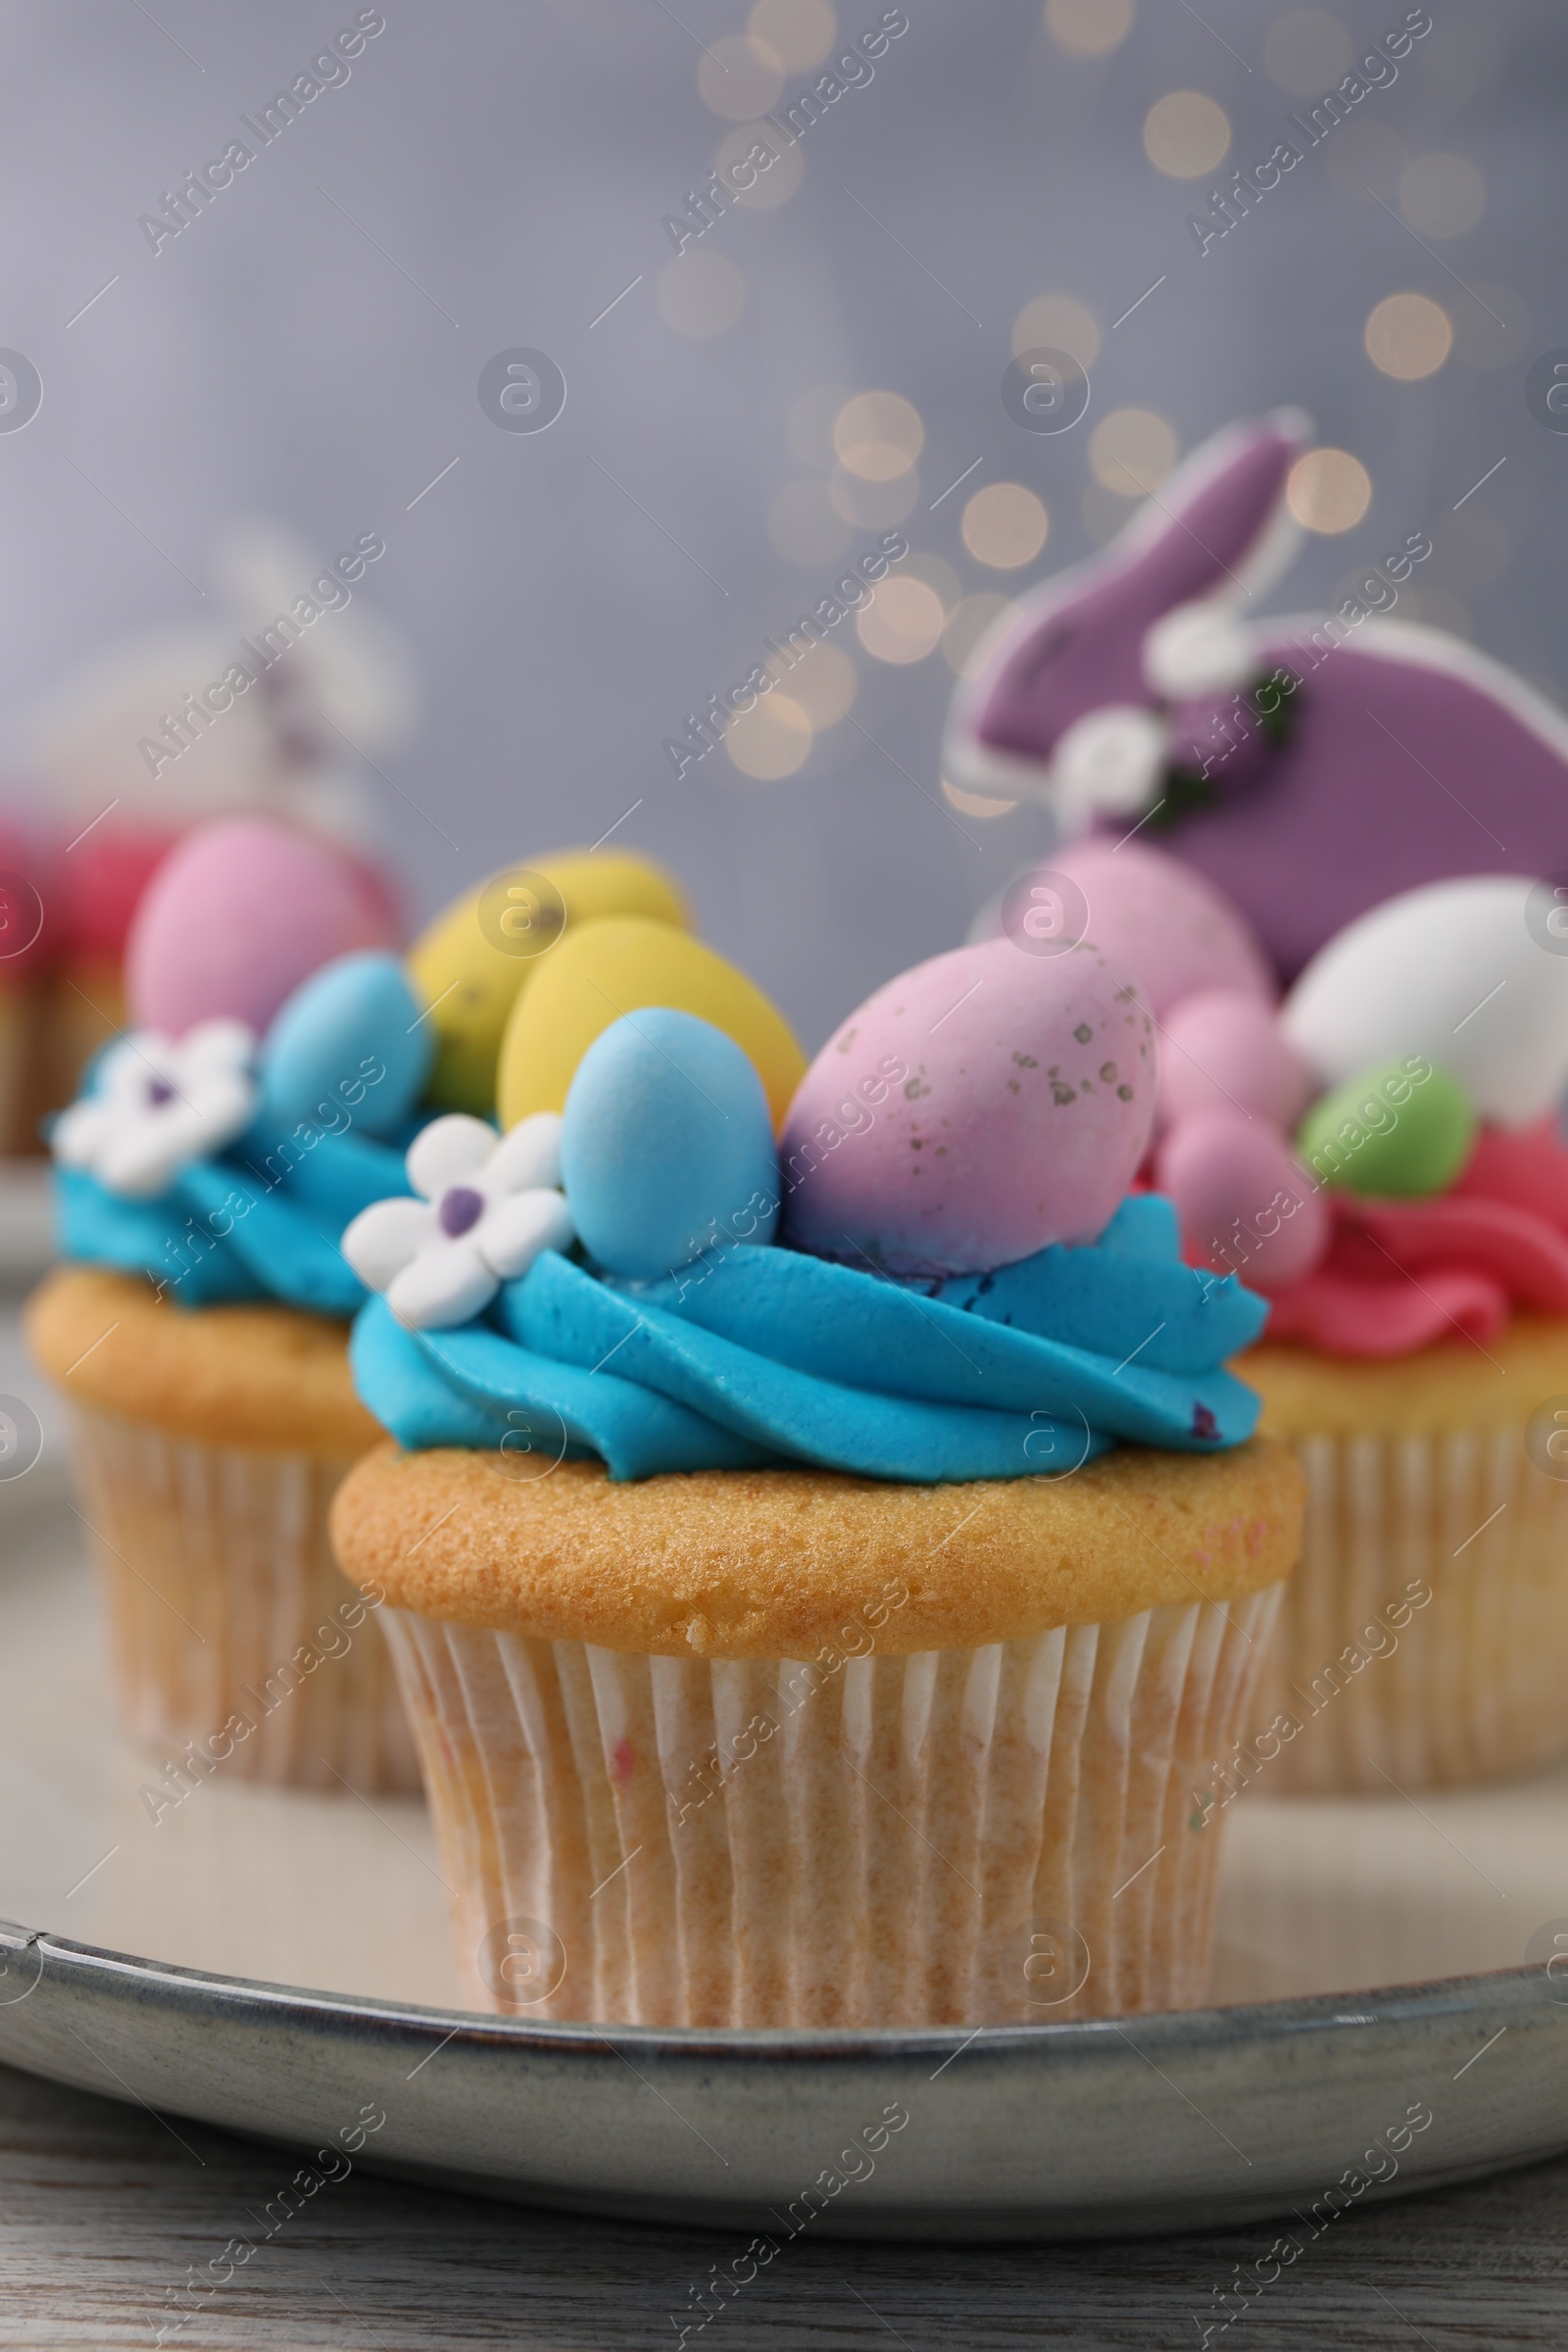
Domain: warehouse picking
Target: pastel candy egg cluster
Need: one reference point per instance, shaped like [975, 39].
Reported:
[975, 1109]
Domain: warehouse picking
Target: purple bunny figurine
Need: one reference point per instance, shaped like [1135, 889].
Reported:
[1310, 766]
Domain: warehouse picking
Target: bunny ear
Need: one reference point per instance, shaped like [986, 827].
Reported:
[1217, 533]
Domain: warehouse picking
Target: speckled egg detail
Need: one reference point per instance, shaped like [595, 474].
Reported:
[976, 1108]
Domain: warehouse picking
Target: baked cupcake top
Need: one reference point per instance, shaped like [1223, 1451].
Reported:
[773, 1564]
[937, 1271]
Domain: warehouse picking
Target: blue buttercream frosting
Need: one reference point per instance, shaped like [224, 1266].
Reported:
[757, 1354]
[337, 1078]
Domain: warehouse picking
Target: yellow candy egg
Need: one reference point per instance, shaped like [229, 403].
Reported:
[473, 962]
[615, 966]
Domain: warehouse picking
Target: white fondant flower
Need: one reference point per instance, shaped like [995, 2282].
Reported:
[158, 1103]
[1107, 763]
[486, 1210]
[1197, 650]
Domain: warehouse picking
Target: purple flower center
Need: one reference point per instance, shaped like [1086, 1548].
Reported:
[159, 1091]
[461, 1209]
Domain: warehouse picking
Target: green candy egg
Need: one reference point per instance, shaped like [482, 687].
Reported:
[1400, 1131]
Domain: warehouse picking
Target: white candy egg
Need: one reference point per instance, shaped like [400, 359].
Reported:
[1468, 973]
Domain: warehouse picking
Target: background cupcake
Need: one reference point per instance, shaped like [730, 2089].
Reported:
[865, 1675]
[198, 1327]
[1380, 1156]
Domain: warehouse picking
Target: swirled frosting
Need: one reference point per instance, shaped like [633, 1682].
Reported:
[262, 1220]
[754, 1354]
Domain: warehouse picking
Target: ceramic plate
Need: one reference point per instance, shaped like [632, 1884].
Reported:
[1309, 2086]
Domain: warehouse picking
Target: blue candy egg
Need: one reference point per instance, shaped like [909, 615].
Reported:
[349, 1047]
[666, 1147]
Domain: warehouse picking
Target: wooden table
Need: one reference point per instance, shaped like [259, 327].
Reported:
[102, 2208]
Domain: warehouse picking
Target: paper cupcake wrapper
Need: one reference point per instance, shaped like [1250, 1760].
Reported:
[1424, 1639]
[957, 1836]
[222, 1590]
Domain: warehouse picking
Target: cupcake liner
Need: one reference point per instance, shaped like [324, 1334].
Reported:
[1424, 1639]
[222, 1591]
[1000, 1835]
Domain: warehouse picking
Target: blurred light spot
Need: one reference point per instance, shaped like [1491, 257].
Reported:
[1328, 490]
[878, 434]
[1491, 326]
[740, 77]
[1131, 451]
[1306, 51]
[937, 575]
[974, 804]
[1089, 27]
[1364, 160]
[800, 32]
[1186, 134]
[873, 506]
[811, 425]
[1056, 323]
[770, 739]
[802, 524]
[1408, 336]
[1005, 525]
[750, 180]
[904, 621]
[1437, 610]
[823, 681]
[700, 293]
[966, 629]
[1442, 195]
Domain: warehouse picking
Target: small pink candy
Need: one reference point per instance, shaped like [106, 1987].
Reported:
[1244, 1204]
[1224, 1051]
[240, 912]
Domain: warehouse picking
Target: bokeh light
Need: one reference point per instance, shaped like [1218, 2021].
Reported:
[1005, 525]
[771, 740]
[700, 293]
[873, 506]
[1089, 27]
[974, 804]
[1306, 51]
[1442, 195]
[740, 77]
[825, 682]
[1186, 134]
[800, 32]
[1328, 490]
[967, 624]
[1056, 322]
[1408, 336]
[770, 188]
[904, 623]
[810, 432]
[877, 435]
[805, 525]
[1131, 451]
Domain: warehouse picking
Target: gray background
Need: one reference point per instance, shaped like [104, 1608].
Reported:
[509, 163]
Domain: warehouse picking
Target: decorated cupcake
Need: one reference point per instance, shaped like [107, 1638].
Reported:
[1325, 800]
[822, 1545]
[198, 1326]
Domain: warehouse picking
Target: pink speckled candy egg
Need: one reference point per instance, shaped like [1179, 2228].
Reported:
[977, 1108]
[1172, 928]
[1224, 1051]
[239, 912]
[1246, 1207]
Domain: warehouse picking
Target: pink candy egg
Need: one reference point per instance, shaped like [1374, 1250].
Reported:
[973, 1110]
[1222, 1051]
[1170, 927]
[238, 913]
[1244, 1206]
